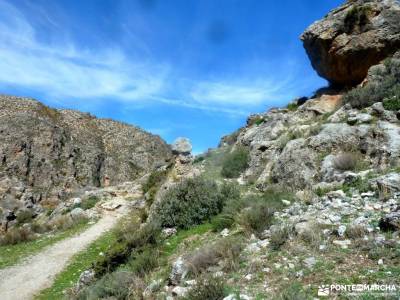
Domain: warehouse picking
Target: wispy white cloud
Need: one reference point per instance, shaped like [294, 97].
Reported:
[65, 70]
[241, 92]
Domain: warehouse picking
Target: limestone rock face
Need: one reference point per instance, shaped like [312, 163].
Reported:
[352, 38]
[299, 148]
[45, 154]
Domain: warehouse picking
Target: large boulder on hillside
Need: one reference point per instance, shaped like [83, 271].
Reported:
[182, 146]
[352, 38]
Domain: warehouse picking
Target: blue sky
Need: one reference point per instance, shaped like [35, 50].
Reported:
[193, 68]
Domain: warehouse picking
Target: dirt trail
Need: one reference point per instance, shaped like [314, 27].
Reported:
[37, 272]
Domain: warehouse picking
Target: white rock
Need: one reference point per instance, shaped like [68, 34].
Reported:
[286, 202]
[78, 213]
[380, 261]
[180, 291]
[152, 287]
[367, 194]
[179, 271]
[334, 218]
[191, 282]
[263, 243]
[86, 278]
[310, 262]
[248, 277]
[299, 274]
[167, 232]
[225, 232]
[219, 274]
[344, 244]
[341, 230]
[182, 146]
[266, 270]
[76, 201]
[253, 248]
[241, 297]
[336, 194]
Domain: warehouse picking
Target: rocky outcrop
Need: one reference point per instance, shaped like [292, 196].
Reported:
[300, 148]
[47, 154]
[352, 38]
[182, 146]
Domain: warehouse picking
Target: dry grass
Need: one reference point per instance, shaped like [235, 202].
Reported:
[355, 232]
[226, 250]
[279, 236]
[345, 162]
[312, 236]
[16, 235]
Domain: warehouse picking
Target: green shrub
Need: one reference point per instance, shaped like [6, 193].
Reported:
[356, 17]
[90, 202]
[292, 106]
[257, 218]
[359, 184]
[155, 179]
[116, 255]
[207, 287]
[112, 286]
[244, 209]
[393, 103]
[231, 194]
[130, 239]
[143, 263]
[190, 203]
[153, 183]
[222, 221]
[199, 159]
[386, 88]
[24, 216]
[235, 163]
[255, 120]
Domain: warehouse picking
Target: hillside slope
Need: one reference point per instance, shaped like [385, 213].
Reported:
[46, 154]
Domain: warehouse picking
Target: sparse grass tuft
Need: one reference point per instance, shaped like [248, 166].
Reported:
[386, 89]
[90, 202]
[207, 287]
[292, 106]
[153, 183]
[16, 235]
[279, 236]
[226, 250]
[345, 162]
[355, 231]
[24, 216]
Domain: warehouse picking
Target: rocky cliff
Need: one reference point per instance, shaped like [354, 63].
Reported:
[350, 39]
[302, 146]
[47, 154]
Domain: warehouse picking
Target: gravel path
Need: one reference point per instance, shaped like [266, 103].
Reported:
[37, 272]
